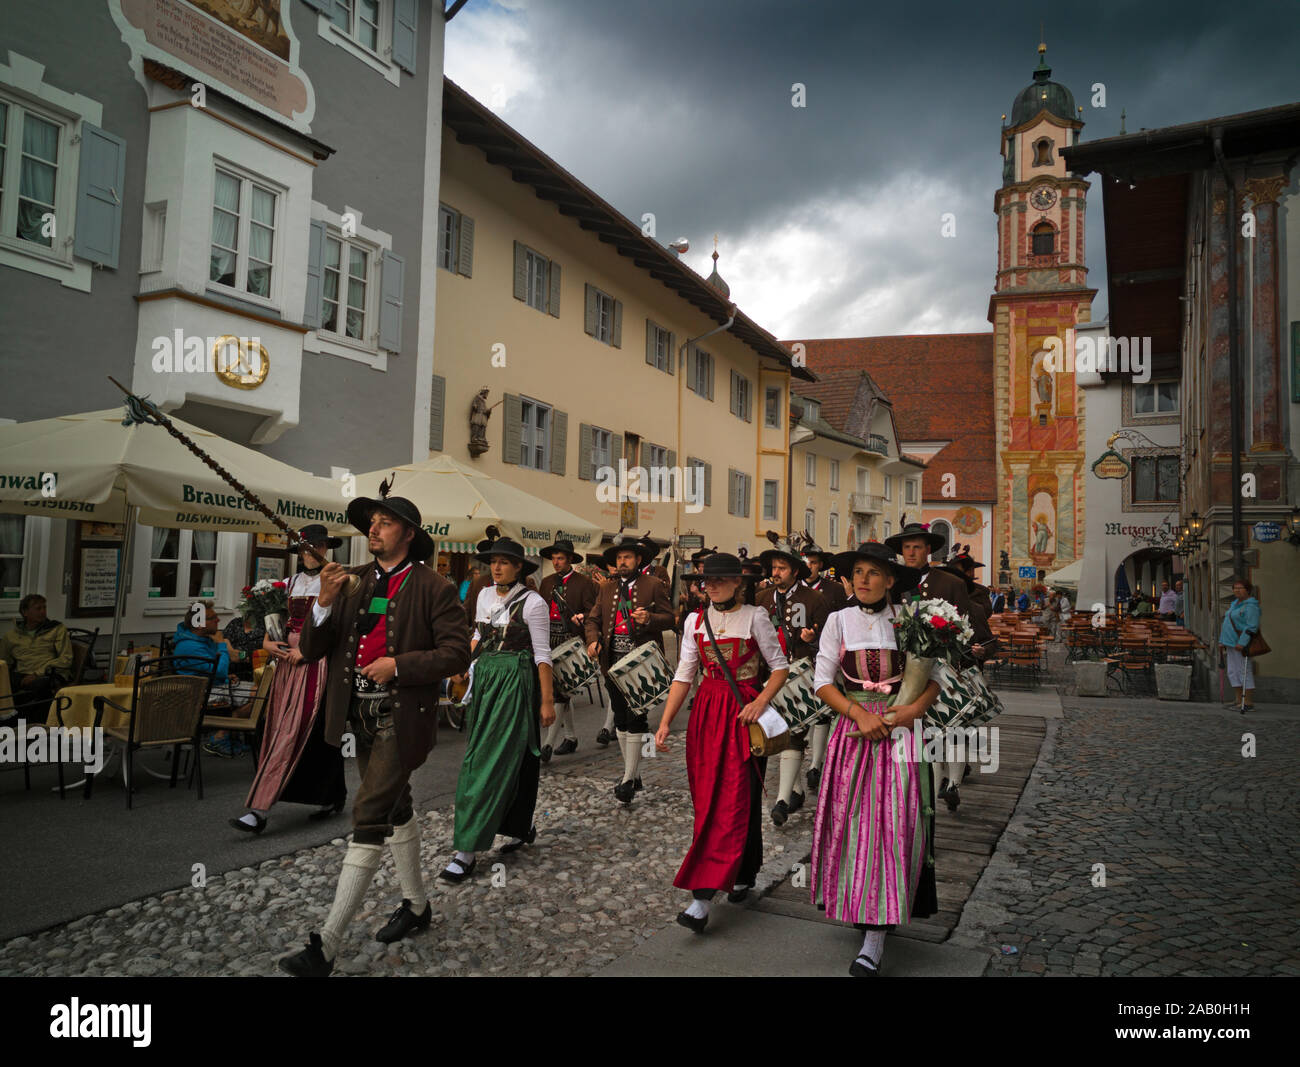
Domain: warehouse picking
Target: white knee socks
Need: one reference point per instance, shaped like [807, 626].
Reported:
[564, 718]
[405, 844]
[821, 737]
[873, 946]
[698, 909]
[359, 866]
[791, 762]
[630, 743]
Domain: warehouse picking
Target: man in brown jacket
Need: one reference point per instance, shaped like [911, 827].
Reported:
[390, 641]
[916, 544]
[630, 610]
[569, 596]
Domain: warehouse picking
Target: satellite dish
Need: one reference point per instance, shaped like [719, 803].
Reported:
[680, 246]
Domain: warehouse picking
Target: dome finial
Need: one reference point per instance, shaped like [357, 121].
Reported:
[715, 279]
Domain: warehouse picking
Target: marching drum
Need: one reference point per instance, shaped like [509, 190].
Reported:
[643, 677]
[796, 701]
[573, 667]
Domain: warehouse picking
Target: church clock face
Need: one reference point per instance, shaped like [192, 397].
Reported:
[1043, 197]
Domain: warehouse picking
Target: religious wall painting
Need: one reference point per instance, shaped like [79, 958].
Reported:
[1042, 518]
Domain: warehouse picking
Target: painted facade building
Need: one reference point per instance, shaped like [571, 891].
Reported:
[1039, 299]
[200, 181]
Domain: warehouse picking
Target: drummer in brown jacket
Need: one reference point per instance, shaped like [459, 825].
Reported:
[630, 611]
[798, 614]
[569, 596]
[390, 643]
[916, 544]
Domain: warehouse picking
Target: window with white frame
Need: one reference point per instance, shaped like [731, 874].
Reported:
[360, 20]
[909, 491]
[833, 534]
[810, 469]
[656, 463]
[448, 234]
[1155, 398]
[535, 435]
[812, 410]
[703, 364]
[13, 533]
[601, 444]
[243, 233]
[30, 158]
[889, 487]
[771, 499]
[772, 407]
[835, 474]
[182, 563]
[345, 287]
[810, 523]
[661, 347]
[742, 397]
[604, 304]
[739, 493]
[538, 284]
[889, 526]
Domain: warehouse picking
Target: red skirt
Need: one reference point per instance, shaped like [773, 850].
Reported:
[718, 768]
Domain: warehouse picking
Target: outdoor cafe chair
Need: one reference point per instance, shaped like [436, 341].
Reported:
[238, 724]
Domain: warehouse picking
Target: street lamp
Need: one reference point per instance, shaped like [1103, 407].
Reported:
[1195, 523]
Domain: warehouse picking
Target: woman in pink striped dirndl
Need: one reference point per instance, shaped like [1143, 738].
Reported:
[875, 810]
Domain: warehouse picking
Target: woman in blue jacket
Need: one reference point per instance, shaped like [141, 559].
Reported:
[1240, 624]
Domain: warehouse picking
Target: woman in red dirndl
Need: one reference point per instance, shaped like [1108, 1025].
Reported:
[725, 779]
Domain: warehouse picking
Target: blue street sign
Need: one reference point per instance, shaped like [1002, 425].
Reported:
[1267, 531]
[1028, 572]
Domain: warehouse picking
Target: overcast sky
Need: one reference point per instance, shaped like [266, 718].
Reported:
[828, 216]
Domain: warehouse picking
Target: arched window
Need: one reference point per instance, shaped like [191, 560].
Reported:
[1043, 237]
[1043, 152]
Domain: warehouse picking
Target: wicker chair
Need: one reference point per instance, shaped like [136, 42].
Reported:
[236, 724]
[166, 712]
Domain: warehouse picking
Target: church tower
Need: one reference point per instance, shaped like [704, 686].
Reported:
[1040, 293]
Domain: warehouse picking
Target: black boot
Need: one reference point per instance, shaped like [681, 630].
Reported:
[814, 778]
[604, 737]
[780, 813]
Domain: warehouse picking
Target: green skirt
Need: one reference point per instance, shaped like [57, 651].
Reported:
[503, 729]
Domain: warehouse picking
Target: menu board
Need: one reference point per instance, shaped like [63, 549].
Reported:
[97, 584]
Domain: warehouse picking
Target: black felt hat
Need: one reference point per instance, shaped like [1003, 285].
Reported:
[645, 551]
[916, 529]
[905, 578]
[701, 554]
[360, 510]
[562, 544]
[786, 551]
[723, 565]
[316, 535]
[511, 549]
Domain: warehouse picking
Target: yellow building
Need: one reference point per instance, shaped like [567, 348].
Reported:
[850, 481]
[595, 345]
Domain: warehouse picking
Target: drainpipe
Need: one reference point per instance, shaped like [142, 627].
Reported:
[1234, 361]
[681, 375]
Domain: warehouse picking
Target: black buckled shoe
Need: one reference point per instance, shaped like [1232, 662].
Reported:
[814, 777]
[864, 967]
[604, 737]
[692, 923]
[310, 962]
[780, 813]
[739, 894]
[327, 812]
[256, 828]
[403, 922]
[796, 801]
[448, 875]
[569, 744]
[625, 791]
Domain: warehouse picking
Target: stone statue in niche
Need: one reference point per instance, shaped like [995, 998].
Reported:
[1043, 388]
[479, 413]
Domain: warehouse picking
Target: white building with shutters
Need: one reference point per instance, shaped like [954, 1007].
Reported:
[595, 345]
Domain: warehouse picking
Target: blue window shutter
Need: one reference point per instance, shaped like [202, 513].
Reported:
[100, 177]
[404, 39]
[390, 308]
[311, 305]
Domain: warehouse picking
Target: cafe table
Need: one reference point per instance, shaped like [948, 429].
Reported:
[81, 710]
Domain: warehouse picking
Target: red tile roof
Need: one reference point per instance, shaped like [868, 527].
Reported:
[941, 389]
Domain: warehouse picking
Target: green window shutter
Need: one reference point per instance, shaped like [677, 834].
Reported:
[731, 492]
[512, 417]
[672, 473]
[559, 441]
[747, 483]
[553, 304]
[747, 399]
[650, 342]
[521, 272]
[708, 485]
[615, 450]
[733, 391]
[311, 305]
[101, 178]
[709, 368]
[591, 311]
[672, 350]
[584, 452]
[465, 256]
[690, 367]
[404, 34]
[616, 337]
[437, 412]
[390, 306]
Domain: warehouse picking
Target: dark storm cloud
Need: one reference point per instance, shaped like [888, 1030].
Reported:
[829, 216]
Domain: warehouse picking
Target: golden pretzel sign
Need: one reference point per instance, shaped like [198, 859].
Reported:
[247, 367]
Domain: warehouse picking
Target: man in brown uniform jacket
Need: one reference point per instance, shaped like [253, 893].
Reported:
[570, 596]
[630, 610]
[832, 591]
[799, 614]
[390, 642]
[916, 544]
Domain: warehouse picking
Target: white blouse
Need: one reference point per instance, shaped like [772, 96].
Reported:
[746, 621]
[491, 608]
[850, 629]
[303, 584]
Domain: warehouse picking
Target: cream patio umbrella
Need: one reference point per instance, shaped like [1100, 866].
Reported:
[93, 467]
[457, 502]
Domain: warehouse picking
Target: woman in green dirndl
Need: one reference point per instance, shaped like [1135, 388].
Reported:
[510, 699]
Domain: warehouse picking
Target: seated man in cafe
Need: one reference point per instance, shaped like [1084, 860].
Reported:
[38, 652]
[194, 649]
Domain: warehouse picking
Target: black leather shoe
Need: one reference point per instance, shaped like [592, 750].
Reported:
[518, 843]
[448, 875]
[862, 967]
[545, 755]
[569, 744]
[739, 895]
[814, 778]
[327, 812]
[239, 824]
[403, 922]
[310, 962]
[639, 786]
[625, 791]
[796, 801]
[952, 798]
[604, 737]
[692, 923]
[780, 813]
